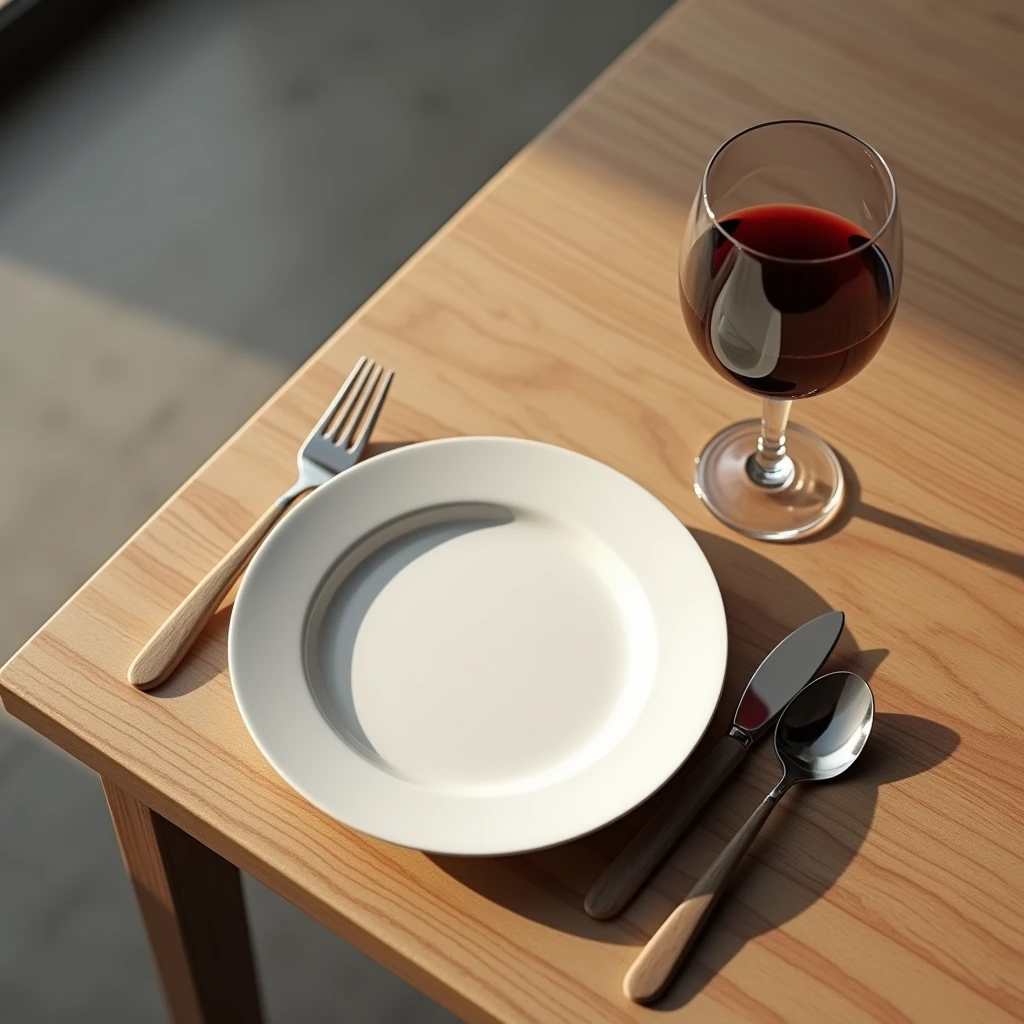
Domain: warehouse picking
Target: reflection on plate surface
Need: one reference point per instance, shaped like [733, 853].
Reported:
[525, 653]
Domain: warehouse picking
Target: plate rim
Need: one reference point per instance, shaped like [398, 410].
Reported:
[482, 847]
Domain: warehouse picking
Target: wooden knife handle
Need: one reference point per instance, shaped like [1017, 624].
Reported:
[170, 643]
[664, 954]
[623, 878]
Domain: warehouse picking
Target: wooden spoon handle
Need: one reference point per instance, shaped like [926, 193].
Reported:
[635, 863]
[664, 954]
[169, 644]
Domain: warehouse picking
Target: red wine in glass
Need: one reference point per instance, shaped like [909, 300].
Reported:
[787, 301]
[789, 275]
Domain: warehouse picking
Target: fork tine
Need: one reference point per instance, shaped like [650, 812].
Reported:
[364, 395]
[371, 416]
[355, 401]
[325, 420]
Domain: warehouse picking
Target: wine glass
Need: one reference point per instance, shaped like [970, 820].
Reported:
[789, 277]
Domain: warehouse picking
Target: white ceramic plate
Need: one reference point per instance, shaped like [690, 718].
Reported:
[478, 646]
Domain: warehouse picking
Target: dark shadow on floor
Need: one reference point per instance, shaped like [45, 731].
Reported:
[36, 35]
[265, 166]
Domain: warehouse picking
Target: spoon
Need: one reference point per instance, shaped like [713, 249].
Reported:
[821, 733]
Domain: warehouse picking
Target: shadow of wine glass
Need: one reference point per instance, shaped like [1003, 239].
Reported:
[1000, 559]
[549, 885]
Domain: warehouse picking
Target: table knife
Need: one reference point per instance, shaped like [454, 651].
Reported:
[786, 671]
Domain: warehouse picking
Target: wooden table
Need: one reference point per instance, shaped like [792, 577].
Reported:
[547, 309]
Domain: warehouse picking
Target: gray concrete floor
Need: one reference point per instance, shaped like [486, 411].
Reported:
[189, 204]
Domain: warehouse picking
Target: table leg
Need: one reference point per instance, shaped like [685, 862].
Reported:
[191, 903]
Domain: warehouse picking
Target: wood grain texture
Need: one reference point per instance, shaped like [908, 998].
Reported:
[548, 309]
[668, 947]
[626, 874]
[164, 650]
[191, 903]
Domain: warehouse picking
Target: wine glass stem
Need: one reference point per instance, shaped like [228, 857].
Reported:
[770, 466]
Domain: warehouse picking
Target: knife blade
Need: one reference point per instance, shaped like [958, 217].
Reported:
[785, 672]
[779, 678]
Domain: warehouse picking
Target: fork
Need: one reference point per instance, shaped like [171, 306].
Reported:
[332, 446]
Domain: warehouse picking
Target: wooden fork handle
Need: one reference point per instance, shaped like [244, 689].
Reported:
[664, 954]
[171, 642]
[634, 864]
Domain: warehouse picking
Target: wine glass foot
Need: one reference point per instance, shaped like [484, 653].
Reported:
[804, 504]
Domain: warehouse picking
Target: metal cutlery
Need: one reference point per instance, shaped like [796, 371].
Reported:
[333, 446]
[789, 667]
[821, 733]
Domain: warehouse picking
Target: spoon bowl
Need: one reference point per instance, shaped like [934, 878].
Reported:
[824, 728]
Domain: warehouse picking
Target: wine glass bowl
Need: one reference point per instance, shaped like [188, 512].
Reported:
[789, 277]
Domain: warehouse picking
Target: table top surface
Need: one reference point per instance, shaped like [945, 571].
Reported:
[548, 309]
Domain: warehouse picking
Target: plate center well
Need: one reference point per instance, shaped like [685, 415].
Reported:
[479, 648]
